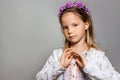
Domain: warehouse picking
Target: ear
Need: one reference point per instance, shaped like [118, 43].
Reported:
[86, 25]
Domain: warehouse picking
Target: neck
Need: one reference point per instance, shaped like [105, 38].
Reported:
[80, 46]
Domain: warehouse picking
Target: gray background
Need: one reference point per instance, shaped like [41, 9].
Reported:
[30, 31]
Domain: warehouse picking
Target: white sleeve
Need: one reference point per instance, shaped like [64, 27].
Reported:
[51, 69]
[102, 69]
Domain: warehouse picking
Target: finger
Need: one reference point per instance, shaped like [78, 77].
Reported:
[79, 63]
[65, 52]
[71, 58]
[81, 56]
[70, 54]
[68, 49]
[82, 60]
[78, 57]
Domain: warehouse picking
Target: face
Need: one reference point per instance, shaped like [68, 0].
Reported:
[73, 27]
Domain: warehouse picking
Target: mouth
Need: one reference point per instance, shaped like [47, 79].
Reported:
[71, 37]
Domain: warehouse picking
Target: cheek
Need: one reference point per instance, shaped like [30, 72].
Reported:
[65, 33]
[81, 31]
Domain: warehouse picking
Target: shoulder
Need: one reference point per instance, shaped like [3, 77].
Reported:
[58, 50]
[57, 53]
[96, 53]
[97, 56]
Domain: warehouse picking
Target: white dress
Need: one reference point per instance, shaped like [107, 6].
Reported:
[98, 67]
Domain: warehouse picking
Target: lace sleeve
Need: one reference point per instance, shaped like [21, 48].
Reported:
[101, 69]
[51, 69]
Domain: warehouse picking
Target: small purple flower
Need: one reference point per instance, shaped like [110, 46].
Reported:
[86, 9]
[79, 4]
[62, 8]
[69, 4]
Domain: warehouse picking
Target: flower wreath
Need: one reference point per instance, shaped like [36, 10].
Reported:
[68, 5]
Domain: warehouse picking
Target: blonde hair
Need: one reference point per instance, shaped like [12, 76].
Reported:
[90, 39]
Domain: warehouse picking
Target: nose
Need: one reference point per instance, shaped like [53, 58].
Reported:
[70, 30]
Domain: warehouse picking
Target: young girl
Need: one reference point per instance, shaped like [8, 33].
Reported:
[80, 59]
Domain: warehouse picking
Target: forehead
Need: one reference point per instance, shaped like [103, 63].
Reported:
[70, 17]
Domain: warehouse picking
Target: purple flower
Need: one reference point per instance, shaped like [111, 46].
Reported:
[62, 8]
[86, 9]
[79, 4]
[69, 4]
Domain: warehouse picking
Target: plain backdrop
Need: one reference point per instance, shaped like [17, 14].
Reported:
[30, 31]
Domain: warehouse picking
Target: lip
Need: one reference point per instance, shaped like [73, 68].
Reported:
[72, 36]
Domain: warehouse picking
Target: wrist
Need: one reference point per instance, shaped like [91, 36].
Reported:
[62, 65]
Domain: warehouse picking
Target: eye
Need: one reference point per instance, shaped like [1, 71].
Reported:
[64, 27]
[75, 25]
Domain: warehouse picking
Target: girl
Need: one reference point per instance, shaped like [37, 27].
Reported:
[80, 59]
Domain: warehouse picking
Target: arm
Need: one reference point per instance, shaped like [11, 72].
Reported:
[101, 69]
[51, 69]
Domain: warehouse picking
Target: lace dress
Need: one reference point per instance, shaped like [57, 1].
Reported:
[73, 72]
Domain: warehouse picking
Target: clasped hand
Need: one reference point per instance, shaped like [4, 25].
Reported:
[69, 54]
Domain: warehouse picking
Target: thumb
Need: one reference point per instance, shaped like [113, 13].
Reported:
[80, 64]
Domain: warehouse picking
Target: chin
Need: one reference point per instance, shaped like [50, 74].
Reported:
[74, 42]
